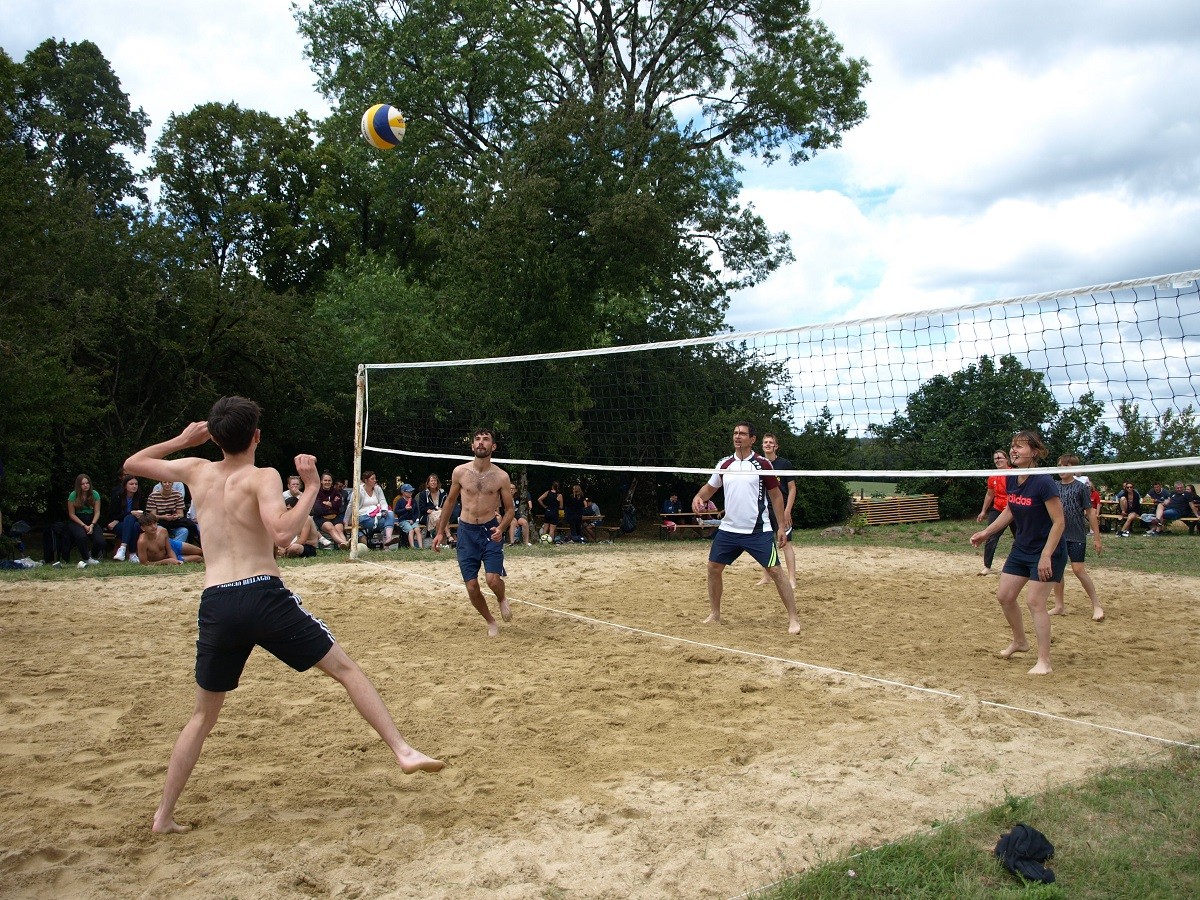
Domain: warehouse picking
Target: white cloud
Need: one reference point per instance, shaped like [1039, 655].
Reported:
[1009, 149]
[170, 58]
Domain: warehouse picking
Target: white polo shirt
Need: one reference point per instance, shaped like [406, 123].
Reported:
[746, 483]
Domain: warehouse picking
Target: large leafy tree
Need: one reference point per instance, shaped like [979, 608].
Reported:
[237, 187]
[955, 422]
[579, 176]
[73, 121]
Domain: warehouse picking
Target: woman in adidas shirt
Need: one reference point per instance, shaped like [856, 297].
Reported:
[1038, 556]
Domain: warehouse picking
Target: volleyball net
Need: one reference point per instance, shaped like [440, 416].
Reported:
[1127, 353]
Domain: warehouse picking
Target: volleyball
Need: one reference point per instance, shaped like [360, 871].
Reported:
[383, 126]
[363, 548]
[546, 539]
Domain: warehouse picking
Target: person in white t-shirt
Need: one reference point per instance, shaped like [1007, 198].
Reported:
[750, 491]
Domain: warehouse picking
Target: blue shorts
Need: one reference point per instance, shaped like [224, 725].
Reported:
[176, 548]
[727, 546]
[1076, 551]
[407, 525]
[476, 547]
[1026, 564]
[260, 610]
[1170, 515]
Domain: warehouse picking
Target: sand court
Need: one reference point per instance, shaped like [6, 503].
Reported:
[583, 759]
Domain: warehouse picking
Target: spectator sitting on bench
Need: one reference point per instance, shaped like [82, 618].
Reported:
[520, 520]
[83, 522]
[590, 508]
[1181, 504]
[156, 548]
[1129, 503]
[328, 511]
[305, 543]
[124, 508]
[168, 504]
[1157, 494]
[408, 517]
[373, 511]
[669, 506]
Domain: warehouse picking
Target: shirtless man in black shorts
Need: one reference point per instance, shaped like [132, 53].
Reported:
[244, 601]
[483, 488]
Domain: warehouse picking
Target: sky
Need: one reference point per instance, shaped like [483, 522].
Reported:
[1010, 147]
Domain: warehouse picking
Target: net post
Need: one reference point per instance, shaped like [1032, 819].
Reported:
[360, 393]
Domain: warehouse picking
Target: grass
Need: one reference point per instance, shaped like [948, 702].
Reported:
[1131, 832]
[1174, 553]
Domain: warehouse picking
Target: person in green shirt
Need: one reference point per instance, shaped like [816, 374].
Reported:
[83, 521]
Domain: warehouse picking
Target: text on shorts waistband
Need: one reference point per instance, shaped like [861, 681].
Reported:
[256, 579]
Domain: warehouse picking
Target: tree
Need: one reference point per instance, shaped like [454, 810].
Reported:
[237, 186]
[956, 421]
[581, 175]
[72, 119]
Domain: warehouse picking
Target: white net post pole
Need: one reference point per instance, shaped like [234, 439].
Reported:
[360, 393]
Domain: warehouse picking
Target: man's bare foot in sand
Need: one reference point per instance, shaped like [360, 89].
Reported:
[505, 611]
[1014, 647]
[1057, 611]
[763, 583]
[1097, 614]
[794, 626]
[169, 826]
[1041, 669]
[713, 619]
[493, 629]
[413, 761]
[984, 571]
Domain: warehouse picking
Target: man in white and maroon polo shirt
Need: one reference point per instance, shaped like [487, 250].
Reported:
[749, 486]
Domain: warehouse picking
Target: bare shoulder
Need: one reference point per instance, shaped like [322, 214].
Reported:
[504, 480]
[457, 474]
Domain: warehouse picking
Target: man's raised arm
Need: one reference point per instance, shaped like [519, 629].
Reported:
[152, 463]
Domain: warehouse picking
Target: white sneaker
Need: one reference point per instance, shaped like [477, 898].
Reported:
[119, 556]
[133, 558]
[92, 562]
[57, 564]
[324, 543]
[82, 564]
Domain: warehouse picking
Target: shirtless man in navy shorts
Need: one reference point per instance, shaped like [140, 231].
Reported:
[240, 507]
[483, 488]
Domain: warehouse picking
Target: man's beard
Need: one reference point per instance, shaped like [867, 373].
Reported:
[481, 454]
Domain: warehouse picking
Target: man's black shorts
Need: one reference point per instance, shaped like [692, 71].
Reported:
[235, 616]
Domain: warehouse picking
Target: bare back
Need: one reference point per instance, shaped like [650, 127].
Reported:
[234, 502]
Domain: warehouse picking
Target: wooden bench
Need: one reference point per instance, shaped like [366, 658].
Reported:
[897, 510]
[713, 517]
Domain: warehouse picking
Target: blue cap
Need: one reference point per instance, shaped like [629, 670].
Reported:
[406, 488]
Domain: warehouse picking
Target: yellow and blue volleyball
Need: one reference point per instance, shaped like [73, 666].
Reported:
[383, 126]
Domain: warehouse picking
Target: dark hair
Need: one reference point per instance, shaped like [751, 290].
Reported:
[149, 517]
[1033, 440]
[487, 431]
[232, 423]
[290, 502]
[1068, 460]
[367, 474]
[747, 426]
[79, 479]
